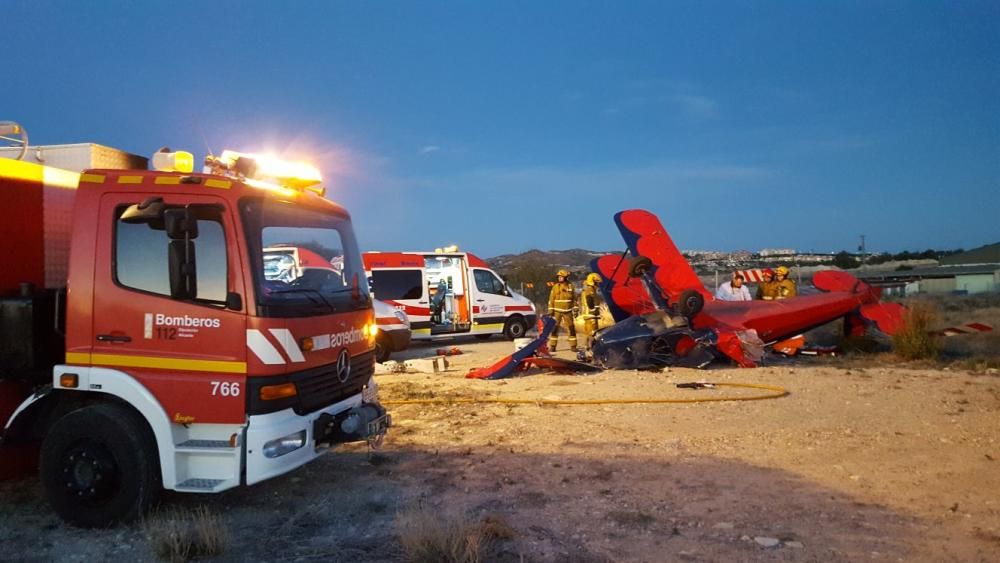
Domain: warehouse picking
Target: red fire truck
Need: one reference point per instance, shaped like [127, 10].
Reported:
[143, 348]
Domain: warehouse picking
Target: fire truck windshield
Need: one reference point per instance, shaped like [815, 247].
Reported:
[305, 262]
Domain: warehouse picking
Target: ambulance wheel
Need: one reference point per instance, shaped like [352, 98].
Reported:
[99, 466]
[515, 328]
[382, 348]
[690, 303]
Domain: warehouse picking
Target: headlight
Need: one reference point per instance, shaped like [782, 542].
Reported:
[285, 445]
[402, 317]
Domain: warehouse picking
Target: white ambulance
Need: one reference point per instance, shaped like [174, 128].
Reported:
[289, 263]
[448, 294]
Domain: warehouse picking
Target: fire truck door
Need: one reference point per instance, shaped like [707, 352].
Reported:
[186, 343]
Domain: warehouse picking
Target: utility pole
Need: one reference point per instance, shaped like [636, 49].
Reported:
[862, 249]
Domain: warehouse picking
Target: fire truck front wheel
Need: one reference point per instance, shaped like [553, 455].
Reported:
[99, 466]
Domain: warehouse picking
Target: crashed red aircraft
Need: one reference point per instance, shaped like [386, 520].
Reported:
[664, 315]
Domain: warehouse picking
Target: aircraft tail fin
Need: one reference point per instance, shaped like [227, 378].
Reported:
[888, 317]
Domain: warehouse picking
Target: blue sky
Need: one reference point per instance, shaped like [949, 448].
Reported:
[504, 126]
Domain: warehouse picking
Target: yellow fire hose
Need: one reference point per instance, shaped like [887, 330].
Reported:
[775, 393]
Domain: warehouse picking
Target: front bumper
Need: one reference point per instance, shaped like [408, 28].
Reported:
[399, 340]
[322, 428]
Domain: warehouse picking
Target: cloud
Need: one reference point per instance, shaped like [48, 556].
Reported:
[693, 194]
[649, 95]
[696, 106]
[706, 174]
[427, 149]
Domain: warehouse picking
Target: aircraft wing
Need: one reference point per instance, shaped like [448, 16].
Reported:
[625, 297]
[645, 236]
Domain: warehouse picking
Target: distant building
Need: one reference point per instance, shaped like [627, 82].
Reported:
[975, 271]
[777, 252]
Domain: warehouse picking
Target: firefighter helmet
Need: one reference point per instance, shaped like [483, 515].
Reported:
[782, 271]
[593, 279]
[562, 273]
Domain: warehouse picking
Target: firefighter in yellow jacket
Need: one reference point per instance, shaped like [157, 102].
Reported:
[767, 289]
[784, 287]
[590, 309]
[562, 301]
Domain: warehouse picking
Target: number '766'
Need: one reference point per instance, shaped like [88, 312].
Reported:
[226, 388]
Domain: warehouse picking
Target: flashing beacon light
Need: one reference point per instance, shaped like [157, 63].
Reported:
[177, 161]
[262, 170]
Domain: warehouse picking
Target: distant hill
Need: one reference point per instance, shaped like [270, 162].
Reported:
[529, 272]
[574, 260]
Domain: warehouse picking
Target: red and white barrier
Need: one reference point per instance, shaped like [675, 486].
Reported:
[752, 276]
[968, 328]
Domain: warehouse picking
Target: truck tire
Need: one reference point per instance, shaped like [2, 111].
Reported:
[515, 327]
[382, 347]
[99, 466]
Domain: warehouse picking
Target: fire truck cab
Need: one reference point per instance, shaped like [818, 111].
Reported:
[149, 348]
[448, 293]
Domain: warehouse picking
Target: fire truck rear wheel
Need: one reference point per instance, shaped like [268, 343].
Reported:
[515, 328]
[99, 466]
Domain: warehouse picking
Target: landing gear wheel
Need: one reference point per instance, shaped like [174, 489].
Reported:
[515, 328]
[638, 266]
[99, 466]
[382, 350]
[690, 303]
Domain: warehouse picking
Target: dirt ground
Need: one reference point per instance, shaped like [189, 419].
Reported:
[856, 464]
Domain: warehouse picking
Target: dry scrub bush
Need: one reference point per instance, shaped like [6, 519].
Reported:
[914, 340]
[429, 536]
[179, 535]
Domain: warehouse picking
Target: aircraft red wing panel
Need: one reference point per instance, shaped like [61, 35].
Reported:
[775, 320]
[624, 297]
[645, 236]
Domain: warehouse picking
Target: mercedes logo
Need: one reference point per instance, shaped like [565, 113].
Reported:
[343, 366]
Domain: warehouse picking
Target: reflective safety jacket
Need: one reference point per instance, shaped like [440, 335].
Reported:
[590, 301]
[562, 298]
[767, 290]
[785, 289]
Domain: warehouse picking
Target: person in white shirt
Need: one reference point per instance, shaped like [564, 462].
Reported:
[733, 290]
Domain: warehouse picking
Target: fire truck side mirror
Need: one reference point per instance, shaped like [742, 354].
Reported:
[183, 273]
[149, 211]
